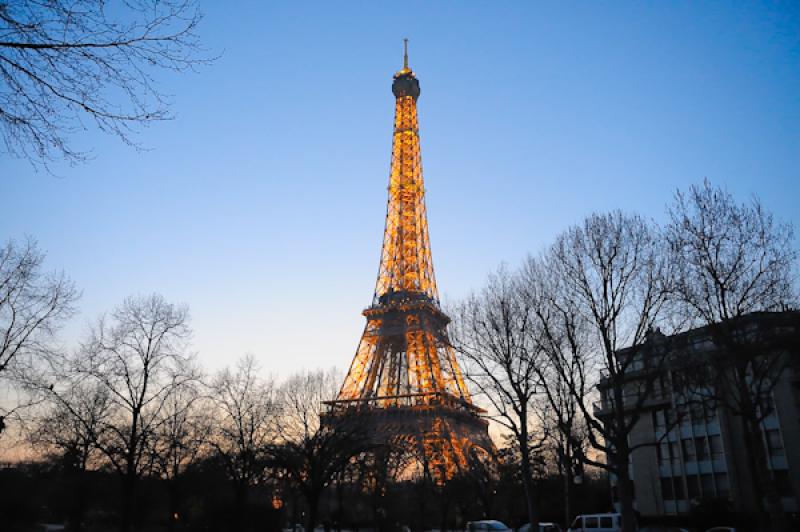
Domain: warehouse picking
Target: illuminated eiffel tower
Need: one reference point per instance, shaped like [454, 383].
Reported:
[404, 383]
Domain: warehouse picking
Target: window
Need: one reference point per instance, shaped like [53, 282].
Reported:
[677, 379]
[663, 453]
[688, 450]
[768, 404]
[723, 488]
[674, 453]
[605, 522]
[683, 416]
[669, 419]
[710, 412]
[707, 483]
[774, 442]
[679, 491]
[590, 522]
[658, 387]
[666, 489]
[658, 420]
[697, 413]
[701, 448]
[693, 486]
[715, 442]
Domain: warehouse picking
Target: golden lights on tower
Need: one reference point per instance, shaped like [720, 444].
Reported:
[404, 359]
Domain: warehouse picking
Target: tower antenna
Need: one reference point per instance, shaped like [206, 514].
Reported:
[405, 54]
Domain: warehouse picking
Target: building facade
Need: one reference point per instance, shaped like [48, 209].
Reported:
[693, 450]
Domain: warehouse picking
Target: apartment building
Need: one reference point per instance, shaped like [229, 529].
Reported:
[694, 449]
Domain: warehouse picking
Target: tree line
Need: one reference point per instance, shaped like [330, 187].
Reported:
[539, 342]
[132, 400]
[127, 431]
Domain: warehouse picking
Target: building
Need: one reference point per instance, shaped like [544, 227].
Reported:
[693, 449]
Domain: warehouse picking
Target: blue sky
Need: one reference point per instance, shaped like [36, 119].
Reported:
[261, 206]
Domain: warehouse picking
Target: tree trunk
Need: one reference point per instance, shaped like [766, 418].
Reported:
[621, 454]
[768, 501]
[567, 497]
[565, 467]
[172, 491]
[620, 458]
[625, 496]
[422, 497]
[339, 502]
[527, 480]
[295, 508]
[311, 523]
[445, 509]
[240, 504]
[313, 507]
[76, 520]
[128, 497]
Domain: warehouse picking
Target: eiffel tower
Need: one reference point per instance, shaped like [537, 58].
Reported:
[404, 383]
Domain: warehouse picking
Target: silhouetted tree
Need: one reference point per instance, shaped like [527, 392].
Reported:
[33, 305]
[69, 431]
[309, 451]
[733, 259]
[492, 333]
[63, 62]
[138, 356]
[610, 271]
[244, 426]
[563, 336]
[179, 440]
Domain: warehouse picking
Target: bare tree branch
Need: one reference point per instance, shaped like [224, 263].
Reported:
[62, 62]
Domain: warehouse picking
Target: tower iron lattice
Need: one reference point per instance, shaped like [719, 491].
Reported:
[404, 383]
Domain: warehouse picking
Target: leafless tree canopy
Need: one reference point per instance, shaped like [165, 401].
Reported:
[731, 258]
[181, 436]
[65, 64]
[138, 355]
[73, 424]
[566, 370]
[493, 332]
[734, 259]
[301, 398]
[614, 274]
[307, 451]
[246, 413]
[33, 304]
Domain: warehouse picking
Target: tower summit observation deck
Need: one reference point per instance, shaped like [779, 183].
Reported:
[404, 382]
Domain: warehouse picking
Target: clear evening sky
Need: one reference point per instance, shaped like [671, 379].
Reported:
[262, 205]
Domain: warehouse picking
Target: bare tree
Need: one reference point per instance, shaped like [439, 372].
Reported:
[613, 274]
[70, 429]
[734, 259]
[564, 337]
[33, 305]
[492, 333]
[245, 419]
[63, 62]
[138, 355]
[309, 451]
[179, 440]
